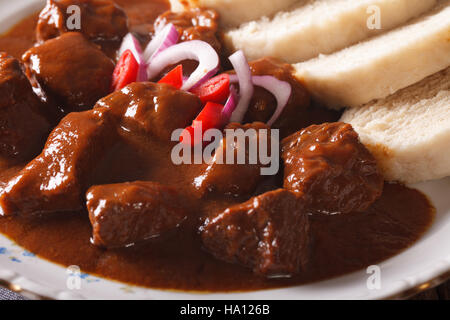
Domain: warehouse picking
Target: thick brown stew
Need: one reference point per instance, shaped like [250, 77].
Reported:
[326, 187]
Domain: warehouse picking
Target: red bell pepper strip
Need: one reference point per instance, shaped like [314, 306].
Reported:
[174, 77]
[209, 118]
[126, 71]
[188, 136]
[215, 89]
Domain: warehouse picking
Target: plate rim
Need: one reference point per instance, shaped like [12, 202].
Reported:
[16, 286]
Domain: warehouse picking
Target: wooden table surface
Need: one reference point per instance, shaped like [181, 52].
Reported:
[440, 293]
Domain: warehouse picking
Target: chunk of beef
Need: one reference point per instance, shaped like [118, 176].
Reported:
[268, 233]
[127, 213]
[193, 24]
[155, 109]
[101, 21]
[296, 114]
[70, 69]
[23, 127]
[332, 167]
[242, 176]
[57, 179]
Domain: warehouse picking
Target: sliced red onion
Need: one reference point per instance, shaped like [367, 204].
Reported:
[191, 50]
[280, 89]
[244, 75]
[163, 39]
[234, 78]
[230, 105]
[131, 43]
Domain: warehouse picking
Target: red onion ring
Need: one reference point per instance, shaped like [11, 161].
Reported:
[244, 76]
[191, 50]
[131, 43]
[163, 39]
[230, 105]
[280, 89]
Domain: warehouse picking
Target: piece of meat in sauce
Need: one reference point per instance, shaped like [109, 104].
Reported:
[127, 213]
[23, 126]
[263, 104]
[101, 21]
[71, 70]
[193, 24]
[330, 166]
[269, 234]
[220, 177]
[58, 178]
[153, 109]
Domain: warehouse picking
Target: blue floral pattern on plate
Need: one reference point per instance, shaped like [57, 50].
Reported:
[15, 251]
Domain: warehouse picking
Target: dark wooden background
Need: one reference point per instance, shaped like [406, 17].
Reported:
[440, 293]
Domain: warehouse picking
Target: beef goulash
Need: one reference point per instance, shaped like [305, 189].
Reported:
[89, 120]
[20, 136]
[268, 233]
[329, 164]
[149, 209]
[101, 22]
[233, 179]
[71, 53]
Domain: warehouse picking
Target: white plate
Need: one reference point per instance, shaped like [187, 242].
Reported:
[425, 264]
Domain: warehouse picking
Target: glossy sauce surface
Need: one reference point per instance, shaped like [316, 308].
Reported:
[340, 243]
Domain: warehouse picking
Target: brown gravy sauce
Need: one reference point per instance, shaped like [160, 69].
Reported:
[340, 244]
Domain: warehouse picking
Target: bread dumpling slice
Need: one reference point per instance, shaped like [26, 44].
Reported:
[314, 27]
[382, 65]
[235, 12]
[409, 131]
